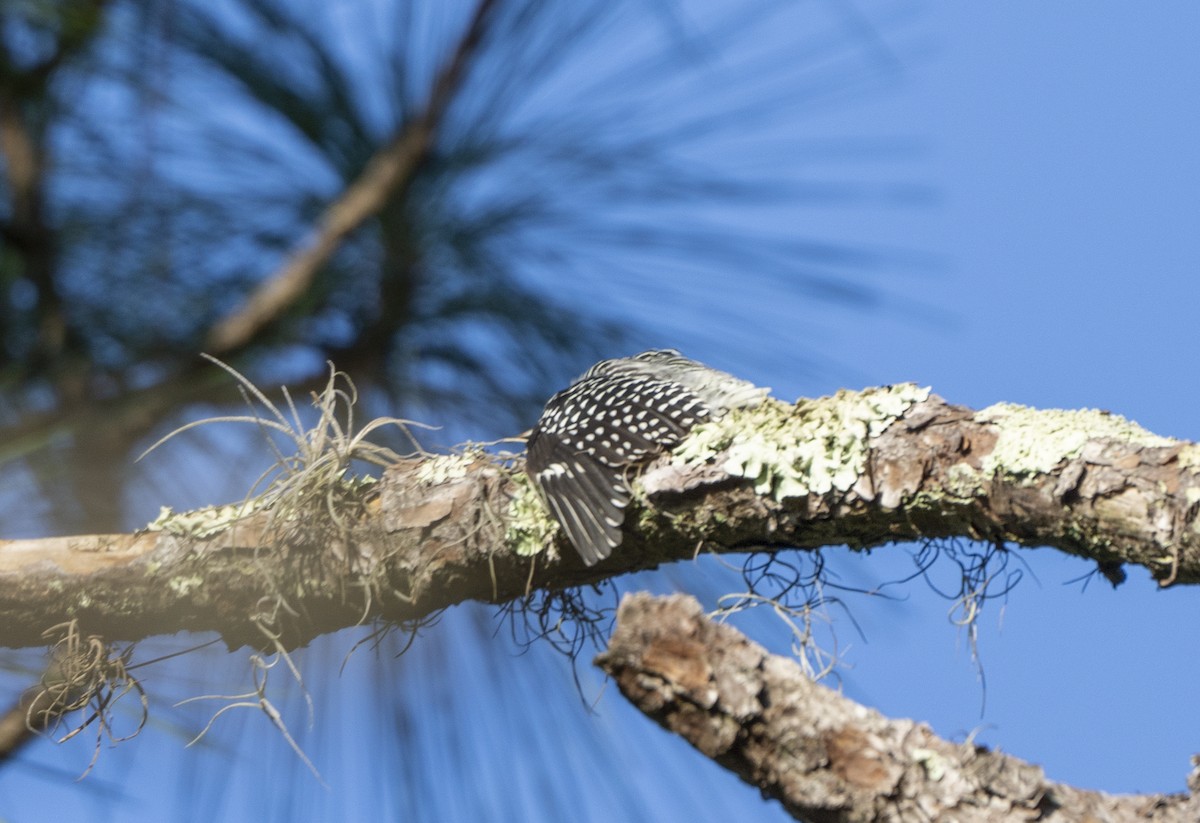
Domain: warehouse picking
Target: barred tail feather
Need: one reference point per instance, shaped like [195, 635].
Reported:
[587, 498]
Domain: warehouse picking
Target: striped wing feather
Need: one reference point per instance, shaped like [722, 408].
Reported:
[619, 414]
[586, 497]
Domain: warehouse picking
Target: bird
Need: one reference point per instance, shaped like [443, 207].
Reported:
[617, 416]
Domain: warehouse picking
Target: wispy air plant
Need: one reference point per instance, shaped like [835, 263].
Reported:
[87, 678]
[315, 477]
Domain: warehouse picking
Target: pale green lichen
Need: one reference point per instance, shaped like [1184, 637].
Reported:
[207, 522]
[1035, 441]
[815, 447]
[962, 481]
[934, 764]
[200, 523]
[443, 468]
[530, 528]
[811, 448]
[183, 585]
[1189, 456]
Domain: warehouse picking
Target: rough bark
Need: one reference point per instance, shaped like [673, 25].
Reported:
[826, 758]
[439, 531]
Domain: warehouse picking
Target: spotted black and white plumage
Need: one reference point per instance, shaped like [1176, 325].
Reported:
[619, 414]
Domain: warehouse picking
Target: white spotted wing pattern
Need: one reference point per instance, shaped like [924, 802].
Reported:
[621, 413]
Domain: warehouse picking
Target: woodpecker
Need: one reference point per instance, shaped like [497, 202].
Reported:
[619, 415]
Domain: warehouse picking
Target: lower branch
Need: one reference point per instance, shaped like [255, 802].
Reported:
[826, 758]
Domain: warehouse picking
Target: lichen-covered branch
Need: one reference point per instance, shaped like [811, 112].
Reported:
[826, 758]
[859, 468]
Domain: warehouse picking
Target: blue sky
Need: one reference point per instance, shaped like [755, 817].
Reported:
[1061, 269]
[1038, 222]
[1065, 144]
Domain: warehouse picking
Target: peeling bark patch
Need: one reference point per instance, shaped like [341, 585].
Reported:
[1087, 482]
[857, 759]
[425, 513]
[71, 555]
[682, 662]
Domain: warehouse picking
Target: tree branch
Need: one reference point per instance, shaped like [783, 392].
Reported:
[860, 468]
[825, 757]
[15, 728]
[24, 175]
[387, 173]
[23, 99]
